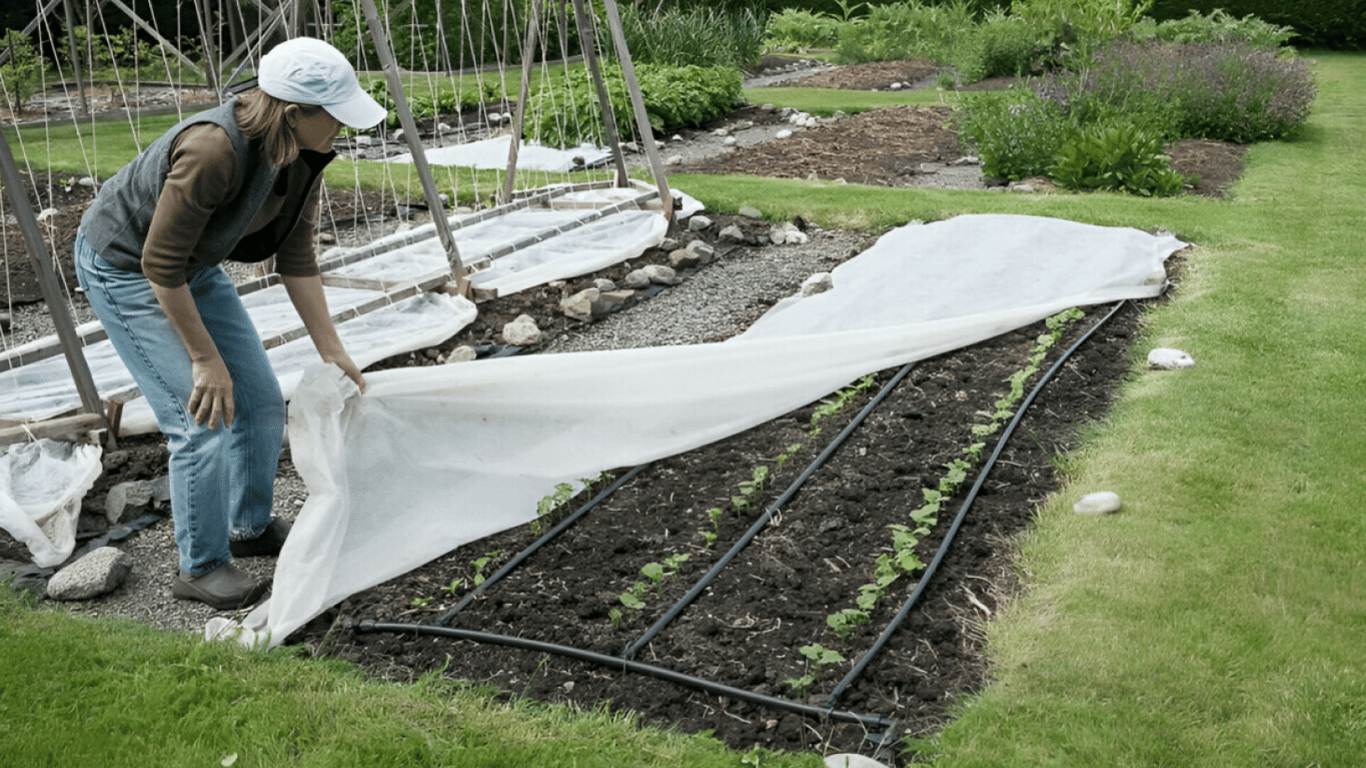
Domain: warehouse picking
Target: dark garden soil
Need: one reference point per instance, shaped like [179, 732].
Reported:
[746, 628]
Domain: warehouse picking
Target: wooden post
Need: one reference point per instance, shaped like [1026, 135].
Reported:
[75, 54]
[47, 279]
[520, 114]
[405, 117]
[590, 59]
[201, 12]
[647, 136]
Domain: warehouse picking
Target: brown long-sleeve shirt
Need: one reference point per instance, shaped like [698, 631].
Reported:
[203, 164]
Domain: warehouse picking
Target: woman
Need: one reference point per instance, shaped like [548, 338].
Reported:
[239, 182]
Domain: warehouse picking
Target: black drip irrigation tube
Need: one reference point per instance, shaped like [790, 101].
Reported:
[626, 665]
[762, 521]
[930, 569]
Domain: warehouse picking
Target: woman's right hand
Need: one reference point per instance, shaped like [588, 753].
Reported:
[211, 398]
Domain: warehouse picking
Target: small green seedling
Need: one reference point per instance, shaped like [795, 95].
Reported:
[422, 602]
[844, 622]
[819, 657]
[481, 563]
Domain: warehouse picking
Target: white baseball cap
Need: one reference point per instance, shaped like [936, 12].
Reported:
[306, 70]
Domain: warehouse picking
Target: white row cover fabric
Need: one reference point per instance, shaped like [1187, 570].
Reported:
[493, 154]
[586, 248]
[41, 487]
[432, 458]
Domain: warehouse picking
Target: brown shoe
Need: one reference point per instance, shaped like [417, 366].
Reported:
[224, 588]
[266, 545]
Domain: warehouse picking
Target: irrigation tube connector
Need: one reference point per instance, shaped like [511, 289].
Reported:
[762, 521]
[542, 541]
[962, 513]
[625, 665]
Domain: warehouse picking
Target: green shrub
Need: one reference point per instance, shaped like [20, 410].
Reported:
[1116, 156]
[1000, 46]
[1217, 27]
[1330, 23]
[674, 96]
[907, 30]
[699, 36]
[1015, 132]
[795, 30]
[22, 73]
[1230, 92]
[1071, 29]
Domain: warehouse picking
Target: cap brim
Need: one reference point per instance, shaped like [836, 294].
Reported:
[359, 111]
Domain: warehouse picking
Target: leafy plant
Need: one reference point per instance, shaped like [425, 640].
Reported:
[1015, 132]
[481, 563]
[798, 29]
[818, 657]
[563, 492]
[1116, 157]
[21, 75]
[846, 621]
[836, 402]
[570, 115]
[1217, 27]
[655, 575]
[750, 490]
[702, 36]
[422, 602]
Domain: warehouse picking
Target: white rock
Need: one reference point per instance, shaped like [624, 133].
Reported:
[86, 181]
[698, 223]
[851, 760]
[611, 301]
[46, 214]
[1170, 359]
[787, 234]
[674, 160]
[783, 134]
[895, 86]
[462, 354]
[720, 132]
[750, 212]
[603, 284]
[522, 331]
[1022, 188]
[675, 137]
[1099, 503]
[817, 283]
[98, 573]
[730, 141]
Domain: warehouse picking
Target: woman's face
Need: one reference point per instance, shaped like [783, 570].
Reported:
[316, 131]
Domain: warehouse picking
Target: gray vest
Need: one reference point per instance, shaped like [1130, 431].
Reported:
[117, 222]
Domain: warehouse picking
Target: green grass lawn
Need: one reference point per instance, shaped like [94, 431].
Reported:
[1219, 619]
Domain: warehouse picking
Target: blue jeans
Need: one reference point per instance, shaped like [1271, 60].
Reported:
[222, 479]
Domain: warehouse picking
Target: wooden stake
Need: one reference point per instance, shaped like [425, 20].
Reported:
[647, 135]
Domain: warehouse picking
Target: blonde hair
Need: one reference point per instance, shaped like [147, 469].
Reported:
[262, 118]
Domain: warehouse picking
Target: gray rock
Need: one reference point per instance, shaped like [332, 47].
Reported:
[611, 301]
[161, 489]
[674, 160]
[658, 273]
[683, 259]
[1170, 359]
[787, 233]
[98, 573]
[1099, 503]
[522, 331]
[698, 223]
[1026, 188]
[705, 253]
[636, 279]
[128, 500]
[733, 232]
[750, 212]
[604, 285]
[580, 305]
